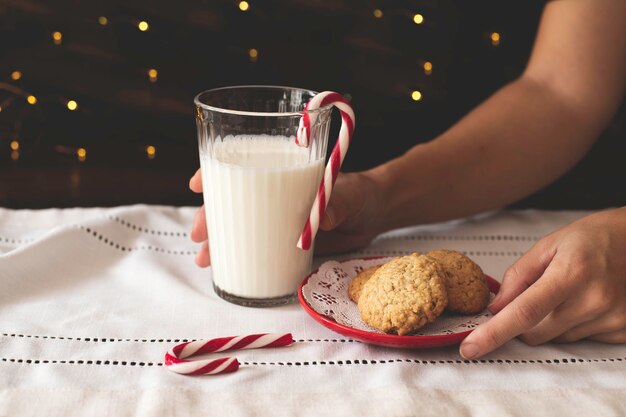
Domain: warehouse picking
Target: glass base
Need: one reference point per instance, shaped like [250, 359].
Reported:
[255, 302]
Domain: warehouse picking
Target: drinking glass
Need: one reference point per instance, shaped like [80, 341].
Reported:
[258, 187]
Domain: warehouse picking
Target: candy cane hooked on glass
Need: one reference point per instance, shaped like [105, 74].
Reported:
[175, 357]
[323, 99]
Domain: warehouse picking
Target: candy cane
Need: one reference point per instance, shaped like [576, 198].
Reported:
[323, 99]
[174, 358]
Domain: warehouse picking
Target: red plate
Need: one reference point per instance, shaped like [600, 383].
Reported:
[390, 340]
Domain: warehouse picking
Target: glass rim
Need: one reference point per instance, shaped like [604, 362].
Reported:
[205, 106]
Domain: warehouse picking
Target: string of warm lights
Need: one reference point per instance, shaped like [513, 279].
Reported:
[16, 75]
[418, 18]
[71, 104]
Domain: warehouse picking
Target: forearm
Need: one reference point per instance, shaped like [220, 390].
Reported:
[528, 133]
[519, 140]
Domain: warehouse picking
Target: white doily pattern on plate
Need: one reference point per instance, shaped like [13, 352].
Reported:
[327, 293]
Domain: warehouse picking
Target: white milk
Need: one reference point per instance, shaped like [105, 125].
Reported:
[258, 193]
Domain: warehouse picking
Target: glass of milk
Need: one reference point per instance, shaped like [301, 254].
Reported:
[258, 187]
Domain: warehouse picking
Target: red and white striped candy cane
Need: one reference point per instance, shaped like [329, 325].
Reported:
[175, 357]
[323, 99]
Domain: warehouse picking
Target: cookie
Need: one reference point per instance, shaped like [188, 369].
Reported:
[403, 295]
[467, 288]
[356, 285]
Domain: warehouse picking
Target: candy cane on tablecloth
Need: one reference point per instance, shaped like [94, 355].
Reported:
[175, 357]
[323, 99]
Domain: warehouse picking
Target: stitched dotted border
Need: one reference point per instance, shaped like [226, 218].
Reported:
[563, 361]
[109, 339]
[154, 232]
[298, 363]
[125, 223]
[14, 241]
[123, 248]
[145, 230]
[80, 362]
[512, 238]
[468, 253]
[95, 339]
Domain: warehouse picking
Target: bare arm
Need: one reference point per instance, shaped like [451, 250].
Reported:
[528, 133]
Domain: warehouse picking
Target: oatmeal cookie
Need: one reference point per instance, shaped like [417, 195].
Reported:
[467, 288]
[403, 295]
[356, 284]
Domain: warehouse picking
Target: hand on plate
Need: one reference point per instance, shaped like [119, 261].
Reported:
[571, 285]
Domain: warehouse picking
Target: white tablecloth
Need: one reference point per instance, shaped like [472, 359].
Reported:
[90, 300]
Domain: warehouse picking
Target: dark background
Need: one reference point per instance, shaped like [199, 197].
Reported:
[199, 44]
